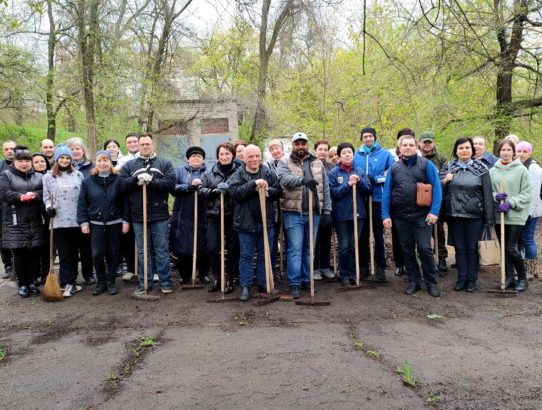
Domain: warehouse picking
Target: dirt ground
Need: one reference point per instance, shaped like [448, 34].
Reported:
[481, 351]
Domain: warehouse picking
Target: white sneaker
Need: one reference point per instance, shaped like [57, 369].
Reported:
[128, 276]
[68, 291]
[327, 274]
[317, 275]
[76, 288]
[155, 278]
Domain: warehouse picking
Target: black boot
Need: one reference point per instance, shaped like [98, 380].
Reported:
[112, 288]
[100, 288]
[442, 268]
[380, 275]
[215, 286]
[523, 283]
[228, 287]
[510, 282]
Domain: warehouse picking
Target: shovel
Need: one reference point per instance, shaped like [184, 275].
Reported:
[195, 249]
[311, 301]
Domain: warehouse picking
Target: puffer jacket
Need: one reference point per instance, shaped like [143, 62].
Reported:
[243, 189]
[182, 219]
[101, 202]
[209, 182]
[517, 185]
[469, 194]
[375, 164]
[163, 181]
[21, 221]
[341, 193]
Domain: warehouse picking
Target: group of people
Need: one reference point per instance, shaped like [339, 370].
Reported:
[96, 211]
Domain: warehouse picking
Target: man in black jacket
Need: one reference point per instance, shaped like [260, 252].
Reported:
[8, 149]
[247, 220]
[158, 176]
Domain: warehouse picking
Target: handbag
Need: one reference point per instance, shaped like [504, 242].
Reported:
[424, 194]
[489, 250]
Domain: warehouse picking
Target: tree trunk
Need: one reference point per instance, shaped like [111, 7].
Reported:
[503, 107]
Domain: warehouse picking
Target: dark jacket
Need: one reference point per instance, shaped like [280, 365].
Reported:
[341, 193]
[163, 181]
[100, 200]
[21, 221]
[208, 183]
[84, 168]
[243, 189]
[181, 232]
[437, 159]
[469, 194]
[399, 195]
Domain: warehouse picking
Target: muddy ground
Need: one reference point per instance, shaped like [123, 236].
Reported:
[87, 352]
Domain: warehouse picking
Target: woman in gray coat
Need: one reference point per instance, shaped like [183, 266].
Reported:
[22, 231]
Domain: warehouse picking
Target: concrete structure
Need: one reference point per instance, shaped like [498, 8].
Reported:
[206, 123]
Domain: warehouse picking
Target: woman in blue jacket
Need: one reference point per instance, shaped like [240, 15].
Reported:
[341, 180]
[102, 212]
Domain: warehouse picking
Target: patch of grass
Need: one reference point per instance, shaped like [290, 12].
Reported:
[357, 344]
[405, 370]
[434, 316]
[112, 376]
[3, 354]
[148, 341]
[434, 399]
[373, 354]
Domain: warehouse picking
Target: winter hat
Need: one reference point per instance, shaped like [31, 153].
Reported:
[195, 150]
[427, 136]
[103, 152]
[300, 136]
[370, 130]
[524, 146]
[344, 145]
[61, 150]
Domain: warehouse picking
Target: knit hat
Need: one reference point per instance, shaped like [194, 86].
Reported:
[195, 150]
[61, 150]
[300, 136]
[427, 136]
[370, 130]
[103, 152]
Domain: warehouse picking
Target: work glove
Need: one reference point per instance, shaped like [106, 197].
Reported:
[144, 179]
[310, 183]
[51, 212]
[504, 208]
[223, 187]
[501, 196]
[325, 220]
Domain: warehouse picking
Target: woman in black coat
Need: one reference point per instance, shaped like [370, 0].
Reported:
[102, 212]
[214, 183]
[41, 165]
[468, 209]
[22, 231]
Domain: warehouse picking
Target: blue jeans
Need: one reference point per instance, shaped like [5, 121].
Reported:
[296, 226]
[527, 240]
[415, 233]
[248, 242]
[346, 249]
[157, 237]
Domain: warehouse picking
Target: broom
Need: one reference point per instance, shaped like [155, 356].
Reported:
[51, 290]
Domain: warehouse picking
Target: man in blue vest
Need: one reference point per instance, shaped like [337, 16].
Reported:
[414, 223]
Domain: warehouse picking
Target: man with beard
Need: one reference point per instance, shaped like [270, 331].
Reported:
[301, 175]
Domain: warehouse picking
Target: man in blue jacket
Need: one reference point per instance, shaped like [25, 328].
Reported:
[375, 161]
[414, 223]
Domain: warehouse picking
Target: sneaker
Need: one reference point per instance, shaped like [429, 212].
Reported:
[166, 289]
[155, 278]
[317, 275]
[327, 274]
[7, 274]
[140, 290]
[294, 291]
[128, 276]
[68, 291]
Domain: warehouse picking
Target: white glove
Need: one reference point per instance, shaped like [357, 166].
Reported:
[144, 178]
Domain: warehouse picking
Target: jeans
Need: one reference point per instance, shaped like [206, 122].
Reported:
[528, 242]
[346, 249]
[248, 242]
[296, 226]
[415, 233]
[106, 243]
[66, 243]
[378, 233]
[157, 238]
[464, 234]
[512, 255]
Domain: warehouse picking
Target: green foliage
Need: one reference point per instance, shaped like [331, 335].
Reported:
[3, 354]
[434, 399]
[31, 136]
[112, 376]
[405, 370]
[148, 341]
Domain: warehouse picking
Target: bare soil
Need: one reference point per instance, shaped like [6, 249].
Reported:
[481, 351]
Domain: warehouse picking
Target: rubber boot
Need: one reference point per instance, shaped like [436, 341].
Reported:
[510, 282]
[523, 283]
[228, 287]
